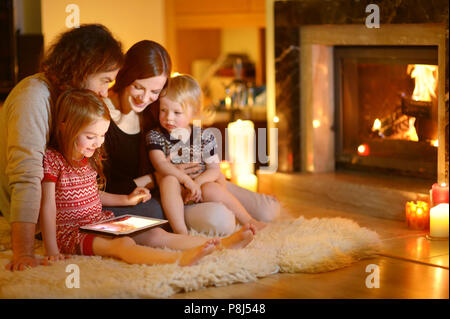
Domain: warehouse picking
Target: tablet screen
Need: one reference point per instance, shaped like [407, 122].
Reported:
[124, 225]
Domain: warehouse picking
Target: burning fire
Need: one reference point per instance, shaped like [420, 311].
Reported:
[401, 126]
[411, 134]
[425, 81]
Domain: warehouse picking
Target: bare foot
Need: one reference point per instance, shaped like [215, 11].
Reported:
[259, 225]
[191, 256]
[241, 238]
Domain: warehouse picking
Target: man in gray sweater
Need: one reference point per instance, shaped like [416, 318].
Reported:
[85, 57]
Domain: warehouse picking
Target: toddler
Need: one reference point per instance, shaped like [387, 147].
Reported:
[177, 139]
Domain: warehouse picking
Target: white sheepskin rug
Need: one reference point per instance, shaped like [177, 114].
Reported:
[296, 245]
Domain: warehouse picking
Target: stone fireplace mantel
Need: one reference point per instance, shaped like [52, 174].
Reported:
[317, 109]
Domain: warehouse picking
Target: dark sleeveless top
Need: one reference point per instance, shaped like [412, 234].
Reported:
[123, 160]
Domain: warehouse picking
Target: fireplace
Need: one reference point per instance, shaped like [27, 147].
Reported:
[386, 109]
[306, 35]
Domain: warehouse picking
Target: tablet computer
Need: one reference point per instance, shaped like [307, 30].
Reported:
[123, 225]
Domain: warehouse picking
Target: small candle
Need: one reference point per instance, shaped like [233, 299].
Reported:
[225, 168]
[439, 221]
[248, 181]
[439, 194]
[417, 215]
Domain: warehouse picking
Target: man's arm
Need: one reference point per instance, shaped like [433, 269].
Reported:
[28, 112]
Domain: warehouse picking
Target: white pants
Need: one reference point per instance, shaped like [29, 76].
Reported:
[216, 218]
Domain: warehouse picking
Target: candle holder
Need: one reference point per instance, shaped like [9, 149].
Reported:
[417, 215]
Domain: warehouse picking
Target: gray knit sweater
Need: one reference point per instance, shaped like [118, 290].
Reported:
[24, 133]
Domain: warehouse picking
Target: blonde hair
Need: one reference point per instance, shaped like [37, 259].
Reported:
[186, 91]
[74, 110]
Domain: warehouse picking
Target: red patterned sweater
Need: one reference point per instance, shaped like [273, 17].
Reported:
[77, 201]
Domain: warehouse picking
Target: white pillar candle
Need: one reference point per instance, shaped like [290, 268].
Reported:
[439, 221]
[241, 147]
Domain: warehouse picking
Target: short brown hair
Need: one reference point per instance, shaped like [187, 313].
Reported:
[80, 52]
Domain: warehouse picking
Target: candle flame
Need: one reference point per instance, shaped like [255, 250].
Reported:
[425, 81]
[363, 150]
[316, 123]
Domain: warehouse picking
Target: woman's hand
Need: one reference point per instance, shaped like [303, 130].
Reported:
[140, 194]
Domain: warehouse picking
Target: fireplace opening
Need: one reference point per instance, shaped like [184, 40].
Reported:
[386, 109]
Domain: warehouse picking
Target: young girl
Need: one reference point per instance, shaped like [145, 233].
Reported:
[175, 137]
[70, 196]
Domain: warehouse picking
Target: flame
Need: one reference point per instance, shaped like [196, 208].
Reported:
[435, 143]
[376, 125]
[411, 134]
[425, 81]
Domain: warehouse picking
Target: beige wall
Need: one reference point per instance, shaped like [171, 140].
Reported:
[129, 20]
[241, 40]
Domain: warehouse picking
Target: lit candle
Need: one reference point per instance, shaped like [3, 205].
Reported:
[241, 147]
[439, 221]
[248, 181]
[417, 215]
[225, 168]
[363, 150]
[439, 194]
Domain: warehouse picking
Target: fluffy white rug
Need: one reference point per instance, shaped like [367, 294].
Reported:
[300, 245]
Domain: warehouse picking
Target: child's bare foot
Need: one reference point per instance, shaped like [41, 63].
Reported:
[259, 225]
[191, 256]
[241, 238]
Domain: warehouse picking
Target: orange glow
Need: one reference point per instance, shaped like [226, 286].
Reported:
[417, 214]
[225, 168]
[363, 150]
[425, 81]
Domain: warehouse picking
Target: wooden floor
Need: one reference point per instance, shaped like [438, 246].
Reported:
[410, 265]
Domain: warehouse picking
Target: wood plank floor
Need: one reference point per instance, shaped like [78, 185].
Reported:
[410, 266]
